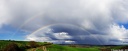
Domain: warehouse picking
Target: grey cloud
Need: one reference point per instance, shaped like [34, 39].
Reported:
[94, 16]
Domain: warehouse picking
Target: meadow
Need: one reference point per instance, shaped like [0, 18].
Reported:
[10, 45]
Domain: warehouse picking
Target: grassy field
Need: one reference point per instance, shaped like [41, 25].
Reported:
[44, 46]
[55, 47]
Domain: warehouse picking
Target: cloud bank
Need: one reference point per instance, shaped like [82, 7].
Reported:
[79, 21]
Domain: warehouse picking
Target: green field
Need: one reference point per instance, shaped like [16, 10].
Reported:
[44, 46]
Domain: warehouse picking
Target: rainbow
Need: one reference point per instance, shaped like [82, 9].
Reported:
[42, 28]
[37, 15]
[27, 21]
[67, 24]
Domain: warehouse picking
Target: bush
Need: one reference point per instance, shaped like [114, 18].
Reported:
[12, 47]
[23, 47]
[33, 44]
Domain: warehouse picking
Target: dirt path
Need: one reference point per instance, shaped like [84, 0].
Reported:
[42, 48]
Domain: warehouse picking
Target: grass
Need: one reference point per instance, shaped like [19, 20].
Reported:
[67, 48]
[54, 47]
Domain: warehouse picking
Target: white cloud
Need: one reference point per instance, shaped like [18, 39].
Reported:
[118, 32]
[62, 35]
[69, 42]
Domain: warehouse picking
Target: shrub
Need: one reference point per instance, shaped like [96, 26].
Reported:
[12, 47]
[72, 45]
[23, 47]
[48, 43]
[33, 44]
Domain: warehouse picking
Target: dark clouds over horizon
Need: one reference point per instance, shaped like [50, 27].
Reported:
[77, 21]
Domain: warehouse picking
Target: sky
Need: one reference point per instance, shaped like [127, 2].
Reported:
[103, 22]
